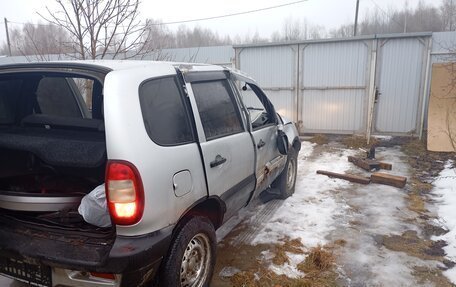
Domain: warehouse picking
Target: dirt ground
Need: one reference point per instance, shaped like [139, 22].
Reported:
[376, 235]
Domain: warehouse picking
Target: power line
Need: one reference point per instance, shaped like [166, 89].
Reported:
[230, 15]
[202, 19]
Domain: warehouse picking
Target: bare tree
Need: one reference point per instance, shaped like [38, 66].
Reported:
[296, 29]
[423, 18]
[158, 36]
[38, 41]
[343, 31]
[101, 28]
[448, 12]
[293, 30]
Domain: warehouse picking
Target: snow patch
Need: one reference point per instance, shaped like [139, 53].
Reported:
[445, 194]
[289, 269]
[384, 138]
[310, 213]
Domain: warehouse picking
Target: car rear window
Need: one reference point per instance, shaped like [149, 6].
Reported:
[164, 112]
[50, 94]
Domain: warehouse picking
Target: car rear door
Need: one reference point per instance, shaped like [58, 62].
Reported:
[226, 144]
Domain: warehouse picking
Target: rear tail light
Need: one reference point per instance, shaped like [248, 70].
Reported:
[124, 192]
[109, 276]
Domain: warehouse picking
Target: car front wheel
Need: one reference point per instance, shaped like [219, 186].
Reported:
[286, 181]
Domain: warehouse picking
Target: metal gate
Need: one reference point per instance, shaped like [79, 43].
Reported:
[333, 87]
[279, 82]
[399, 85]
[365, 85]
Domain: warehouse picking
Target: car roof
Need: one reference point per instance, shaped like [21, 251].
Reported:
[106, 66]
[115, 65]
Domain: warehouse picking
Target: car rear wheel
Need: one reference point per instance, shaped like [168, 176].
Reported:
[191, 258]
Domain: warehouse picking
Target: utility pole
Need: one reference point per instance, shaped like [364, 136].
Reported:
[356, 18]
[405, 16]
[7, 37]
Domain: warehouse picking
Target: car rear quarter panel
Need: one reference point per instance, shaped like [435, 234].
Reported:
[127, 139]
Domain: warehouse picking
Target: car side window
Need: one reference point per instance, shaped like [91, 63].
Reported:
[164, 112]
[259, 108]
[216, 104]
[55, 97]
[9, 89]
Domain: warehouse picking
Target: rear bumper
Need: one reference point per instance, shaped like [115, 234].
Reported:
[135, 258]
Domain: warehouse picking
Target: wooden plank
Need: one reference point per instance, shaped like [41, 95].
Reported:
[366, 164]
[385, 165]
[388, 179]
[349, 177]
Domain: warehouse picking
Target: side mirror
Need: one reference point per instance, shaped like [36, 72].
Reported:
[282, 142]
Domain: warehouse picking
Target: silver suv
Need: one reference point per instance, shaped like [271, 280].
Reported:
[180, 148]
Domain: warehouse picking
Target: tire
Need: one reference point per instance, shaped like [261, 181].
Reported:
[286, 181]
[191, 257]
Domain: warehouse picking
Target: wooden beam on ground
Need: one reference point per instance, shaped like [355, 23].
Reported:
[369, 164]
[366, 164]
[349, 177]
[385, 165]
[388, 179]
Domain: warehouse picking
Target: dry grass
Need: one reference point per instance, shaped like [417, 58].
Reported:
[434, 276]
[318, 260]
[319, 139]
[266, 278]
[416, 203]
[293, 246]
[356, 142]
[318, 268]
[414, 147]
[410, 243]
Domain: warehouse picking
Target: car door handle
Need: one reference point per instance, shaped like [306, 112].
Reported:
[218, 161]
[261, 144]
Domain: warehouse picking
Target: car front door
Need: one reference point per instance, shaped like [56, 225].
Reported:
[226, 144]
[264, 128]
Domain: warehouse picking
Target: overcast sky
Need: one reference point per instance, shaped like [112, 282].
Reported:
[327, 13]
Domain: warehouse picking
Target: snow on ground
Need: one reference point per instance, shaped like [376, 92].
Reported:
[445, 195]
[324, 210]
[309, 214]
[376, 210]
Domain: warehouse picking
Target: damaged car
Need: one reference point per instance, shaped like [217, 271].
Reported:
[118, 173]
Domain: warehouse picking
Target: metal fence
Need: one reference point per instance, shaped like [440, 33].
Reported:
[365, 85]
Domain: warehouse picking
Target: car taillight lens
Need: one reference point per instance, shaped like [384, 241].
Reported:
[124, 192]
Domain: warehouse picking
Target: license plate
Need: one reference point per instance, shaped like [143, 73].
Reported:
[32, 274]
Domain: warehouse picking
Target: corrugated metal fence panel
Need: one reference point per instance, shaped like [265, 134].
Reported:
[334, 87]
[274, 70]
[271, 67]
[401, 65]
[332, 111]
[335, 64]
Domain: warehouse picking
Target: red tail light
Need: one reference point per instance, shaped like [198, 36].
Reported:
[124, 192]
[109, 276]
